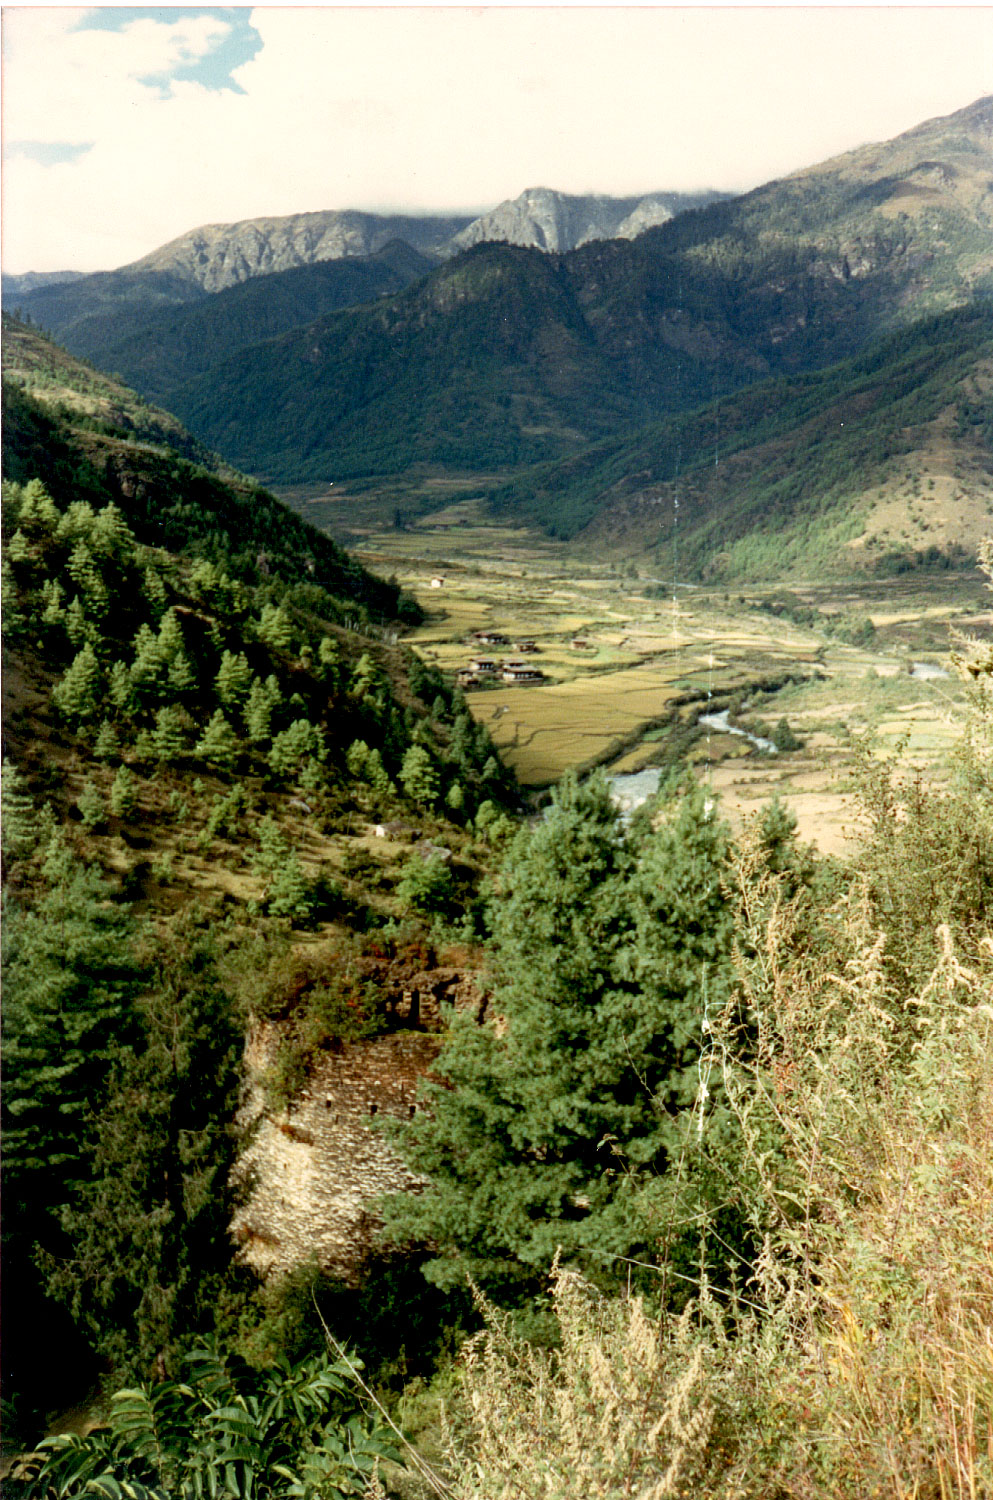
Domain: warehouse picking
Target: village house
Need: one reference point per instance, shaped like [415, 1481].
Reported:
[518, 672]
[483, 666]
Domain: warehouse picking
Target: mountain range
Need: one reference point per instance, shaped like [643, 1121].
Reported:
[516, 369]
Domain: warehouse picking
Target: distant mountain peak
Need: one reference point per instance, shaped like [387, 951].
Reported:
[545, 219]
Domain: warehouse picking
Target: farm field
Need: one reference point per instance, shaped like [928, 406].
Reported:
[656, 654]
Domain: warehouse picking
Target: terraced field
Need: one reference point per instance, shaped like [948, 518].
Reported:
[656, 654]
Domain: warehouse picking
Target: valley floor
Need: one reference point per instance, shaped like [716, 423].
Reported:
[630, 662]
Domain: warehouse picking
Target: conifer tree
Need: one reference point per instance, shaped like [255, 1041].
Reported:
[292, 746]
[123, 793]
[275, 628]
[76, 694]
[356, 758]
[18, 819]
[37, 515]
[263, 700]
[53, 611]
[91, 807]
[233, 680]
[107, 746]
[419, 777]
[557, 1125]
[76, 523]
[218, 743]
[291, 893]
[168, 735]
[376, 774]
[120, 689]
[111, 535]
[77, 627]
[329, 662]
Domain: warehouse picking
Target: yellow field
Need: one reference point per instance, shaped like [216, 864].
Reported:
[598, 705]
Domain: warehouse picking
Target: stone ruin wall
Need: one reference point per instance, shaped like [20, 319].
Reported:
[312, 1173]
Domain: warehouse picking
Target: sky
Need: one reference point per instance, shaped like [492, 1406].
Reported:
[124, 127]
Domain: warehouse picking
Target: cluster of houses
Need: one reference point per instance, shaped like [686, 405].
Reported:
[483, 668]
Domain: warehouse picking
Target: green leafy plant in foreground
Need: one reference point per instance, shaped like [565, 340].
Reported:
[291, 1431]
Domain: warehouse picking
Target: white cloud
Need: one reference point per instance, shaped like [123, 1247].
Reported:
[444, 108]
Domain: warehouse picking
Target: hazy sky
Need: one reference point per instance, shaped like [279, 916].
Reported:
[124, 127]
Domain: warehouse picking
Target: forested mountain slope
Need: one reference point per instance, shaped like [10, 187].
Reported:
[883, 461]
[506, 355]
[207, 708]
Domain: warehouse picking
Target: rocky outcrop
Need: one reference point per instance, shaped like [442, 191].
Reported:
[217, 256]
[548, 220]
[311, 1175]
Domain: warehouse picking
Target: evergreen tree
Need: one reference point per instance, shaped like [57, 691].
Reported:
[557, 1123]
[107, 746]
[77, 627]
[123, 793]
[419, 777]
[329, 662]
[120, 689]
[18, 819]
[356, 758]
[76, 694]
[168, 736]
[91, 807]
[53, 612]
[376, 774]
[233, 680]
[275, 628]
[37, 515]
[292, 746]
[150, 1253]
[149, 665]
[291, 893]
[263, 700]
[76, 523]
[111, 535]
[218, 743]
[69, 989]
[86, 576]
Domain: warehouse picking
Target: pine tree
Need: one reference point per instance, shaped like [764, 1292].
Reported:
[291, 893]
[557, 1124]
[111, 535]
[83, 571]
[120, 689]
[292, 746]
[356, 758]
[70, 983]
[91, 807]
[77, 627]
[123, 793]
[233, 680]
[107, 746]
[419, 777]
[76, 523]
[149, 665]
[263, 700]
[376, 774]
[275, 628]
[76, 694]
[169, 736]
[218, 743]
[329, 662]
[18, 819]
[147, 1260]
[37, 515]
